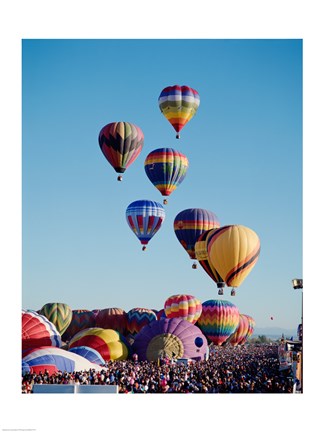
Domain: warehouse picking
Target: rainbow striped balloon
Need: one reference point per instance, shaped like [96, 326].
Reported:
[233, 250]
[189, 224]
[60, 314]
[183, 306]
[179, 104]
[166, 168]
[218, 320]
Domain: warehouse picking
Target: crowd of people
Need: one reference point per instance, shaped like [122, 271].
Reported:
[240, 369]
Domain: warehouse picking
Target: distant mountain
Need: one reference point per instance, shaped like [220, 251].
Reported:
[274, 332]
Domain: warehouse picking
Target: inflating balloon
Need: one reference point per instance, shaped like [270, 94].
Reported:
[38, 331]
[250, 330]
[145, 218]
[60, 314]
[178, 105]
[55, 359]
[137, 318]
[112, 318]
[166, 168]
[233, 250]
[121, 143]
[171, 338]
[110, 344]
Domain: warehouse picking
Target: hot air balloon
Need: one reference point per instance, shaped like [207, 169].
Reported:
[55, 359]
[218, 320]
[160, 314]
[112, 318]
[233, 250]
[88, 353]
[203, 259]
[137, 318]
[241, 332]
[38, 331]
[250, 330]
[145, 218]
[81, 319]
[121, 143]
[166, 168]
[178, 104]
[109, 343]
[60, 314]
[189, 224]
[184, 306]
[171, 338]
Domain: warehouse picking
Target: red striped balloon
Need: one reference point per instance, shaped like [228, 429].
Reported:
[183, 306]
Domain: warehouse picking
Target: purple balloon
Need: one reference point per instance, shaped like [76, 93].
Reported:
[170, 337]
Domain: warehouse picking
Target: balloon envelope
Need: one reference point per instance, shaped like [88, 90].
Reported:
[81, 319]
[121, 143]
[166, 168]
[137, 318]
[250, 330]
[145, 218]
[88, 353]
[38, 331]
[60, 314]
[189, 224]
[240, 333]
[184, 306]
[203, 259]
[233, 250]
[172, 338]
[218, 320]
[56, 359]
[109, 343]
[112, 318]
[178, 105]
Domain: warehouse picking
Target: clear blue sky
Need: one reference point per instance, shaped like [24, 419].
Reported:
[245, 164]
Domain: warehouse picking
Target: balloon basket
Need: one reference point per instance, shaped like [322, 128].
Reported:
[194, 266]
[143, 248]
[165, 201]
[233, 293]
[119, 178]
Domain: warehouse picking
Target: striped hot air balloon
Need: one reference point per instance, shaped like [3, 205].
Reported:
[203, 259]
[137, 318]
[38, 331]
[145, 218]
[233, 250]
[166, 168]
[81, 319]
[189, 224]
[60, 314]
[121, 143]
[184, 306]
[218, 320]
[250, 330]
[240, 333]
[110, 344]
[179, 104]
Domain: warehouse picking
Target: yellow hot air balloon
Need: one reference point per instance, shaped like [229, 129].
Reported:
[233, 250]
